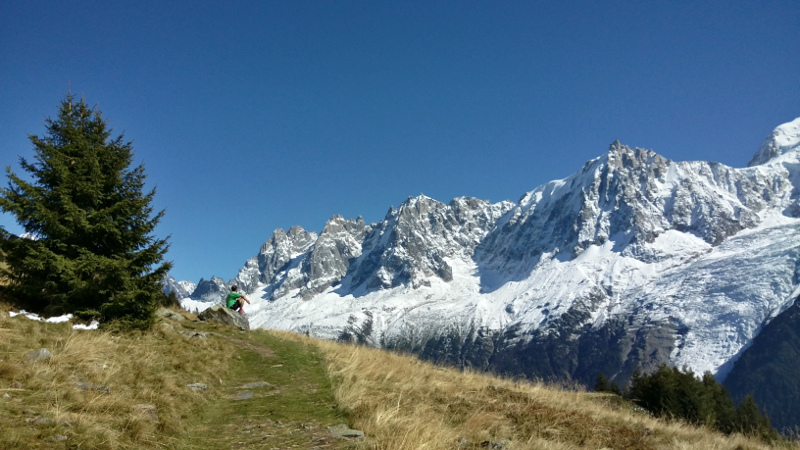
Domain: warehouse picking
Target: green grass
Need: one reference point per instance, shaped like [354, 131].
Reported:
[294, 410]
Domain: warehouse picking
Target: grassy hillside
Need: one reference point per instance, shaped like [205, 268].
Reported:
[281, 390]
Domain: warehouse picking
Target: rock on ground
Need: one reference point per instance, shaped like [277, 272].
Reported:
[227, 316]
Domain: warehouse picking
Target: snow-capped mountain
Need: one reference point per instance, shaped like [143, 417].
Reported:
[632, 261]
[182, 289]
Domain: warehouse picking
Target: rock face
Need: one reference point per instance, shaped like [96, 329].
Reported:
[182, 289]
[211, 290]
[227, 316]
[632, 261]
[769, 369]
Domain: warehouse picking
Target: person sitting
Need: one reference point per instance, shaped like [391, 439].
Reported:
[234, 300]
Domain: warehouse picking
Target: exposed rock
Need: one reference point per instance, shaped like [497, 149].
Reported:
[195, 334]
[148, 410]
[503, 444]
[227, 316]
[257, 384]
[343, 431]
[170, 314]
[40, 420]
[16, 385]
[59, 438]
[246, 395]
[411, 244]
[337, 246]
[212, 290]
[783, 139]
[41, 354]
[181, 289]
[84, 385]
[197, 386]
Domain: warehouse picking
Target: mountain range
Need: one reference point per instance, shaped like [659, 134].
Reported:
[632, 261]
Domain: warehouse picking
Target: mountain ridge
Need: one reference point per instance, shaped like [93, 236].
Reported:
[632, 261]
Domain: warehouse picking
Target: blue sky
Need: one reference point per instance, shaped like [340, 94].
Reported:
[252, 116]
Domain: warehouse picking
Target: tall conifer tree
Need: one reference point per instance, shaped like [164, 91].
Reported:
[89, 247]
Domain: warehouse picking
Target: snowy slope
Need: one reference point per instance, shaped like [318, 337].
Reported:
[632, 261]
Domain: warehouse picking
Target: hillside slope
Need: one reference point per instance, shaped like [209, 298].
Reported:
[282, 390]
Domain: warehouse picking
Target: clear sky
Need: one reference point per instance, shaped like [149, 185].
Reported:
[254, 115]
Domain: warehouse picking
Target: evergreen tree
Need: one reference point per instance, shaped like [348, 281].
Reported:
[750, 421]
[722, 403]
[673, 393]
[601, 383]
[89, 247]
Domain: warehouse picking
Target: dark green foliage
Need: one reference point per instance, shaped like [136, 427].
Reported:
[92, 251]
[673, 393]
[752, 422]
[170, 300]
[770, 371]
[601, 384]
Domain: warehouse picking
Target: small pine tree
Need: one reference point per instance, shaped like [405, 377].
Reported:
[601, 383]
[751, 422]
[679, 394]
[89, 248]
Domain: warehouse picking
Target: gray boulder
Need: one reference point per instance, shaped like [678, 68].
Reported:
[227, 316]
[165, 313]
[343, 431]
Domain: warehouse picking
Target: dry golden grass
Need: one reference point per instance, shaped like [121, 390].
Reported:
[404, 403]
[399, 402]
[70, 387]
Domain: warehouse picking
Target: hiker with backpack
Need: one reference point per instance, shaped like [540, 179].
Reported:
[234, 300]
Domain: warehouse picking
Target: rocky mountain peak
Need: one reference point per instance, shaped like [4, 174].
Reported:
[210, 290]
[784, 139]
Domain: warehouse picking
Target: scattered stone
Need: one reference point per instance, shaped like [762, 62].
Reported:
[84, 385]
[257, 384]
[503, 444]
[40, 420]
[195, 334]
[246, 395]
[170, 314]
[59, 438]
[165, 327]
[197, 387]
[29, 412]
[227, 316]
[42, 354]
[343, 431]
[464, 443]
[148, 410]
[6, 395]
[16, 385]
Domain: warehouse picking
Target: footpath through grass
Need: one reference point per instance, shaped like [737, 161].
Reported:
[276, 395]
[132, 390]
